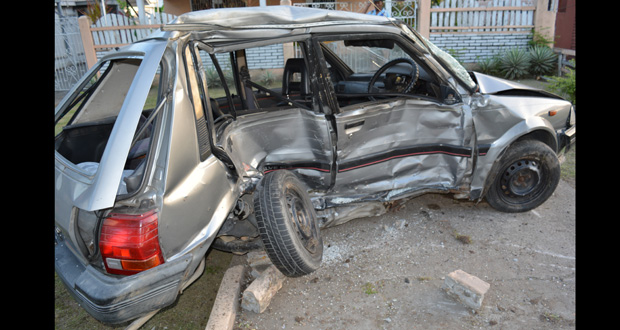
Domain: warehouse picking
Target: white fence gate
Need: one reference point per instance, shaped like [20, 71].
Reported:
[69, 60]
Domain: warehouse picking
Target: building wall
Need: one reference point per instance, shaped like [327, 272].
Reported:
[565, 32]
[177, 7]
[267, 57]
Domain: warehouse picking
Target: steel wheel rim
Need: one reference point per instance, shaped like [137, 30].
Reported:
[302, 221]
[521, 181]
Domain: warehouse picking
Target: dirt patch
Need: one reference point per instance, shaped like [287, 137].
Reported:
[387, 272]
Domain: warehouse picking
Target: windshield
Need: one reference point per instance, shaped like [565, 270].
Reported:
[444, 58]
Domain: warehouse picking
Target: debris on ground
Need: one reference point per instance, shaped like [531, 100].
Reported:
[226, 303]
[269, 279]
[466, 288]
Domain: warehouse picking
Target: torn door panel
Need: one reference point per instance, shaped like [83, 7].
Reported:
[414, 145]
[292, 139]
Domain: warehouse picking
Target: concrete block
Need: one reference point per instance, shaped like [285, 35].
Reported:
[258, 295]
[467, 288]
[226, 303]
[258, 258]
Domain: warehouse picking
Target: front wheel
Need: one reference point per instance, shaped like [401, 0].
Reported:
[287, 224]
[528, 174]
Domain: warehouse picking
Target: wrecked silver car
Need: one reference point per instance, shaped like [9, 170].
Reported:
[176, 144]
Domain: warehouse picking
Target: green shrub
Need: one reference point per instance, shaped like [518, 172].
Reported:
[515, 63]
[489, 65]
[229, 76]
[213, 79]
[268, 78]
[565, 86]
[542, 60]
[539, 39]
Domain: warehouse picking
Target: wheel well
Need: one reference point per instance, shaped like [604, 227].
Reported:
[542, 136]
[539, 135]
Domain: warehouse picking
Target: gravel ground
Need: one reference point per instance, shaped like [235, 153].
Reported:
[386, 272]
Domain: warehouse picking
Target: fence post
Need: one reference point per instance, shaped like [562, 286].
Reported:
[424, 18]
[87, 41]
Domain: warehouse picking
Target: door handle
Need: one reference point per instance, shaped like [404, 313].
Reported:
[351, 128]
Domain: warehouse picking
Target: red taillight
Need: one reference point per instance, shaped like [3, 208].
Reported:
[129, 243]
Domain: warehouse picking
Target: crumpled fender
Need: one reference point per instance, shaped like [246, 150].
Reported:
[484, 171]
[494, 85]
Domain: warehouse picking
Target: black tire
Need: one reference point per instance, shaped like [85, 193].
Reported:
[287, 224]
[527, 175]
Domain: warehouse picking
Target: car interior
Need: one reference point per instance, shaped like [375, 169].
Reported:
[90, 117]
[359, 70]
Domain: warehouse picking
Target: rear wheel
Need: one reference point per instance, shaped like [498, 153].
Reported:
[528, 174]
[287, 224]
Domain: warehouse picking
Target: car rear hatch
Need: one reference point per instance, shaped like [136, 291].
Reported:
[89, 167]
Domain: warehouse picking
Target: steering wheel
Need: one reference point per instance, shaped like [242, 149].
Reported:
[396, 80]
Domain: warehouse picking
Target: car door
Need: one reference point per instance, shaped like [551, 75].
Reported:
[277, 125]
[397, 143]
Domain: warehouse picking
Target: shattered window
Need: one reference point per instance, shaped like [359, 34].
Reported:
[258, 78]
[280, 75]
[365, 59]
[363, 70]
[86, 120]
[214, 81]
[102, 94]
[83, 131]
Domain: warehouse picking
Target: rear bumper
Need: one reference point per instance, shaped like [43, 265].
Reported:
[115, 299]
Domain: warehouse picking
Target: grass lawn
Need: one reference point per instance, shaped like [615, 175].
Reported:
[569, 167]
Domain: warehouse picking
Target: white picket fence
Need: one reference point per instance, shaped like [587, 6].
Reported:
[485, 16]
[113, 30]
[450, 17]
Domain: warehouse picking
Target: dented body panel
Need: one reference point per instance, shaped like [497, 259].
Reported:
[503, 116]
[195, 159]
[419, 144]
[261, 143]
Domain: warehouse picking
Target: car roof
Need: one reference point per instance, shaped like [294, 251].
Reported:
[227, 29]
[269, 17]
